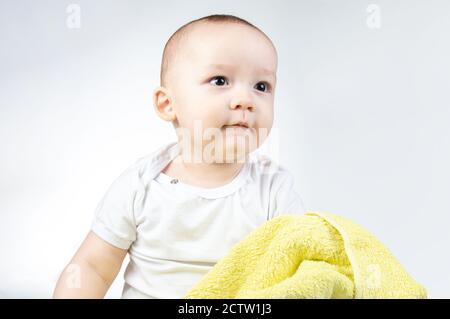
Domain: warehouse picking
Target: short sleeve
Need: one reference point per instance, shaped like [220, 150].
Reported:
[287, 200]
[114, 219]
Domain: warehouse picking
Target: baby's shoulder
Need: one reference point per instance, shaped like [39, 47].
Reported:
[143, 170]
[147, 167]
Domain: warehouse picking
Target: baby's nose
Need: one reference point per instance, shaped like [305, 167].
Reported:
[243, 101]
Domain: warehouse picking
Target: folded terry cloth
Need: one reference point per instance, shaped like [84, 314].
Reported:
[315, 255]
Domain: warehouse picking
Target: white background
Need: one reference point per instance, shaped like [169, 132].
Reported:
[362, 115]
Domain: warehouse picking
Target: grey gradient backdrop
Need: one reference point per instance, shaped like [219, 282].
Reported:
[362, 114]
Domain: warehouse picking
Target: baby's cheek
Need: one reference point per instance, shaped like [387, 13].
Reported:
[262, 132]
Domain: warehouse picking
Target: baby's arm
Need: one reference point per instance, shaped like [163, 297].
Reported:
[91, 271]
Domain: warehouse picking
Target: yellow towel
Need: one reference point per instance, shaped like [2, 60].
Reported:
[315, 255]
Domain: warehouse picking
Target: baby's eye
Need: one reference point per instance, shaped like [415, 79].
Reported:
[262, 86]
[219, 80]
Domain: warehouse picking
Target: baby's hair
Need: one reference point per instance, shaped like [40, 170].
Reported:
[174, 41]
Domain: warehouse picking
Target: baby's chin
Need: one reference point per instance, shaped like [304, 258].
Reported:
[234, 148]
[229, 145]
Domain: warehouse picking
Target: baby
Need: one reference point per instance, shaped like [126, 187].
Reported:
[179, 210]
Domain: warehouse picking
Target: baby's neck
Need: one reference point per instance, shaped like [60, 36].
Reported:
[207, 175]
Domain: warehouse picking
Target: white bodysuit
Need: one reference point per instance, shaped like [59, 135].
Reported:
[175, 232]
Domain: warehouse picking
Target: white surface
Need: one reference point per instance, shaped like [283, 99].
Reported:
[362, 115]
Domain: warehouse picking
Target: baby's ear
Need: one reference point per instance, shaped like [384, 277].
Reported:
[163, 104]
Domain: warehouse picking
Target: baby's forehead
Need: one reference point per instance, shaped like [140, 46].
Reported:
[215, 44]
[222, 31]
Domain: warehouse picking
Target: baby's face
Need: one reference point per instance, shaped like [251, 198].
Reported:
[225, 74]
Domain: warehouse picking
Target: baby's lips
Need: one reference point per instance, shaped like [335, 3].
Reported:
[235, 127]
[239, 124]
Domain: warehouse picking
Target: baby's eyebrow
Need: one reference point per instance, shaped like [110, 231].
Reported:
[263, 70]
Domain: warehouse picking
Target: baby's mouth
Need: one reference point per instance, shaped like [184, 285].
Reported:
[235, 126]
[238, 124]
